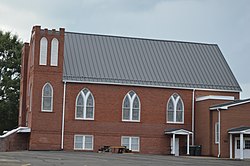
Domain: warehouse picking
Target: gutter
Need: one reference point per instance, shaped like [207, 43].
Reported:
[219, 133]
[63, 114]
[193, 116]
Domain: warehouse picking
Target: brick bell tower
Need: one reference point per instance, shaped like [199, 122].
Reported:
[41, 91]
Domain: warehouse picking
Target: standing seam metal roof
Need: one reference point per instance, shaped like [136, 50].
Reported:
[147, 62]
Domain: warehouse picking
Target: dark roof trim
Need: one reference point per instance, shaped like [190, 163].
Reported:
[238, 130]
[225, 106]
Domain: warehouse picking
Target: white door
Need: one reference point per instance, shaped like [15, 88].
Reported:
[176, 146]
[246, 148]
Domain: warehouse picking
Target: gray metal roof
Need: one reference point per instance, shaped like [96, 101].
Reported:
[145, 62]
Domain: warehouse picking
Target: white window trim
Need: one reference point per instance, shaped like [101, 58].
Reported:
[130, 142]
[53, 42]
[83, 142]
[131, 101]
[52, 94]
[45, 51]
[216, 133]
[85, 97]
[175, 110]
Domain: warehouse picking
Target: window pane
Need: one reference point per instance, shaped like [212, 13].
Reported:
[79, 111]
[131, 93]
[78, 142]
[135, 114]
[126, 102]
[47, 91]
[247, 144]
[238, 144]
[175, 96]
[171, 105]
[89, 112]
[134, 144]
[136, 102]
[125, 142]
[179, 116]
[217, 137]
[90, 101]
[85, 91]
[54, 52]
[134, 147]
[179, 105]
[126, 113]
[80, 100]
[46, 103]
[88, 142]
[170, 116]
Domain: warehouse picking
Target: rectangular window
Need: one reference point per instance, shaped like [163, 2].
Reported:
[217, 132]
[131, 143]
[238, 144]
[247, 144]
[83, 142]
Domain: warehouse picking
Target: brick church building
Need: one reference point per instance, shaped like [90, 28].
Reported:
[85, 91]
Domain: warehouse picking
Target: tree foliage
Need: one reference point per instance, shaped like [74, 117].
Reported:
[10, 64]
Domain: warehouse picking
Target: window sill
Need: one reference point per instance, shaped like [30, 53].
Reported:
[45, 111]
[83, 149]
[133, 121]
[175, 122]
[84, 119]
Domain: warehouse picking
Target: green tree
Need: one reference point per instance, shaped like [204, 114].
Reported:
[10, 64]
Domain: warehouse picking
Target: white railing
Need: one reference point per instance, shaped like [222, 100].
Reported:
[19, 129]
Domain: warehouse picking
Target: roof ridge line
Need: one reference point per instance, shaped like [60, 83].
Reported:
[141, 38]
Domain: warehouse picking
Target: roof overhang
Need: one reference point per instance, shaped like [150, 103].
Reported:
[146, 85]
[214, 97]
[226, 106]
[239, 130]
[178, 131]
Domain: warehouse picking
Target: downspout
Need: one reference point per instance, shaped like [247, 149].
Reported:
[193, 116]
[218, 132]
[63, 114]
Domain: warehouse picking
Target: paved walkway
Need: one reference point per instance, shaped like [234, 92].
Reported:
[59, 158]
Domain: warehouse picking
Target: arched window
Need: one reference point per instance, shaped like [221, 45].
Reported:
[43, 51]
[131, 107]
[85, 105]
[175, 109]
[47, 98]
[54, 52]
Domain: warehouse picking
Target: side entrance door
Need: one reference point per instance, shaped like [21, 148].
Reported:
[246, 148]
[176, 146]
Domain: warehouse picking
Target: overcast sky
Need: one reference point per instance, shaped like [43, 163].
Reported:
[224, 22]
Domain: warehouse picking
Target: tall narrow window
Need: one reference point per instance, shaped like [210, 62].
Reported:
[43, 51]
[175, 109]
[54, 52]
[217, 133]
[131, 107]
[85, 105]
[47, 98]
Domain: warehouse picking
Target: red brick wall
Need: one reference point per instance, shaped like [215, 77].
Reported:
[203, 120]
[14, 142]
[108, 127]
[234, 117]
[45, 127]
